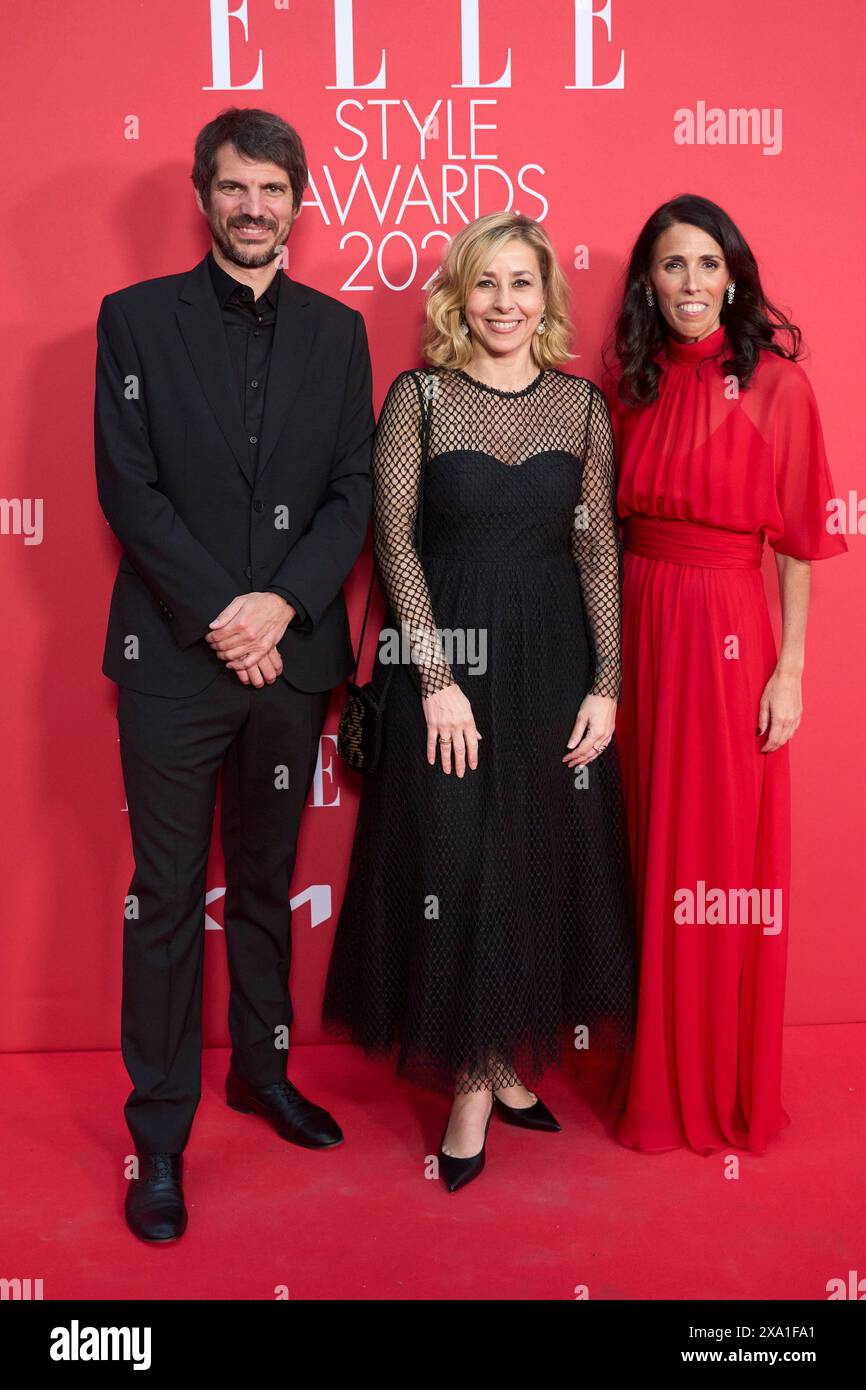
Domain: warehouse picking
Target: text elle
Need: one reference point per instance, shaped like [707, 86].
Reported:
[229, 21]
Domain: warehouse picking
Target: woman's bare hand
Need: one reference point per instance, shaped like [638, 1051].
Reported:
[781, 709]
[593, 730]
[450, 724]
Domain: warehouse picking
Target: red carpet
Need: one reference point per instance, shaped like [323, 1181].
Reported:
[549, 1213]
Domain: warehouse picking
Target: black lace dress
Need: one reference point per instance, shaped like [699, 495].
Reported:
[487, 921]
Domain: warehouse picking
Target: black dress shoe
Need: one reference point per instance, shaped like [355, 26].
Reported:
[154, 1200]
[536, 1116]
[293, 1116]
[457, 1172]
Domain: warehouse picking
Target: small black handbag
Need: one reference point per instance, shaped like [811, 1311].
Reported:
[359, 735]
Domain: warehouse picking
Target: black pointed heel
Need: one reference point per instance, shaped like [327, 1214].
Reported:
[457, 1172]
[535, 1116]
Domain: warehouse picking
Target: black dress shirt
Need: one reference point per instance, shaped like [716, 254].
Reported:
[249, 329]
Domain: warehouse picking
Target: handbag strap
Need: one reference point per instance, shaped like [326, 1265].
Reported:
[426, 398]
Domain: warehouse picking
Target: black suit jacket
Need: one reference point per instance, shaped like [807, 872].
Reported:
[174, 478]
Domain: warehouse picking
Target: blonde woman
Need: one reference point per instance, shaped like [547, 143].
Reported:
[487, 916]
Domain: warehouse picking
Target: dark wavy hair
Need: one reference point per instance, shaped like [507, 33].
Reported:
[751, 322]
[255, 134]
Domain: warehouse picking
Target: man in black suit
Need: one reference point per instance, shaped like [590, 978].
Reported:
[233, 428]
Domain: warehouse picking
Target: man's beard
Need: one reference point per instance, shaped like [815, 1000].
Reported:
[251, 257]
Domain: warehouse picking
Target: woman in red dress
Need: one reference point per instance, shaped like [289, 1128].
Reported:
[720, 446]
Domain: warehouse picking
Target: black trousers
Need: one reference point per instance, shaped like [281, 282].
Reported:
[172, 749]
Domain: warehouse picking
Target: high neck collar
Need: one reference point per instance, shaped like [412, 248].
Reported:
[696, 351]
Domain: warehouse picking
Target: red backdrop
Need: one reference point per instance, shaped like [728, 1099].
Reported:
[574, 118]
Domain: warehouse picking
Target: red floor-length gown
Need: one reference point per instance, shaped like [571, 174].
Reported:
[706, 472]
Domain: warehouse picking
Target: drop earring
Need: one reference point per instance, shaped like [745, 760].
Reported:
[542, 327]
[731, 287]
[650, 297]
[464, 326]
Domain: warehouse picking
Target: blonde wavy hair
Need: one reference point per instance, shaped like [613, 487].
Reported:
[445, 345]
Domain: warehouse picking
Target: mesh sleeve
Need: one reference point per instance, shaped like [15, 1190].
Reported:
[597, 548]
[396, 470]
